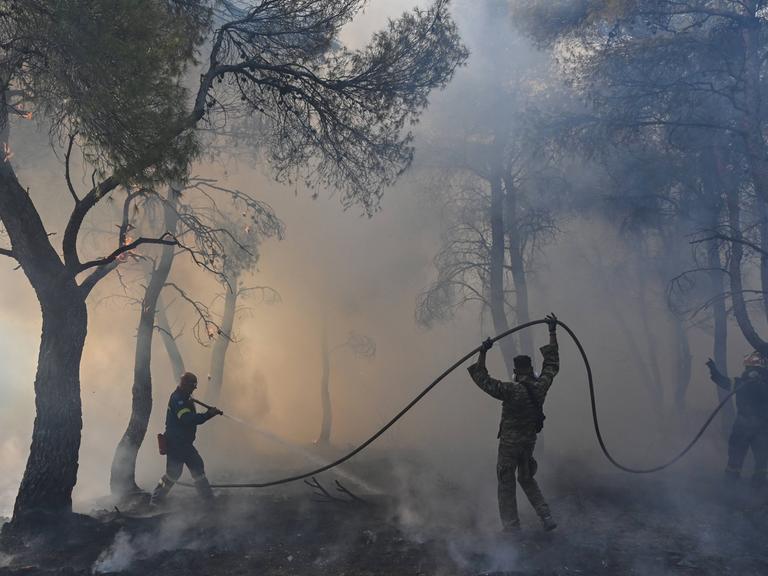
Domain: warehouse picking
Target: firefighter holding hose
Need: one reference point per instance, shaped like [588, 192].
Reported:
[181, 422]
[522, 418]
[750, 429]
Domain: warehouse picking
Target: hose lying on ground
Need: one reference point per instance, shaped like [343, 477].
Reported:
[459, 362]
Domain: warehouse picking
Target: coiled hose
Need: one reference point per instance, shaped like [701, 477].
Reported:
[459, 362]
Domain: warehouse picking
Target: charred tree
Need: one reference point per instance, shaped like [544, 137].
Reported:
[122, 479]
[325, 387]
[360, 346]
[220, 347]
[169, 341]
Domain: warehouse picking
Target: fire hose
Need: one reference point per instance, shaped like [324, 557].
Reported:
[459, 362]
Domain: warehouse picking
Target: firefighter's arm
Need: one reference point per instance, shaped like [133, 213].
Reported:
[480, 376]
[718, 377]
[491, 386]
[551, 365]
[189, 417]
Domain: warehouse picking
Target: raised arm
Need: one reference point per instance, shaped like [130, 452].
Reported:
[718, 377]
[480, 376]
[551, 353]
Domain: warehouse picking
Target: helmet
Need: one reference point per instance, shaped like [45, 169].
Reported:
[755, 360]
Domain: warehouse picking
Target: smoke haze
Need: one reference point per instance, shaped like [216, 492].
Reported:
[364, 275]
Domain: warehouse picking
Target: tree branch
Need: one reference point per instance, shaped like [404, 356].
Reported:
[67, 156]
[166, 239]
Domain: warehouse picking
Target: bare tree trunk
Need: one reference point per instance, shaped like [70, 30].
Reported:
[763, 208]
[654, 385]
[752, 116]
[51, 471]
[517, 264]
[220, 347]
[737, 288]
[122, 480]
[497, 300]
[325, 387]
[684, 362]
[169, 342]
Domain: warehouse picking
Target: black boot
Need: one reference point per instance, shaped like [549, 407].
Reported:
[161, 491]
[203, 488]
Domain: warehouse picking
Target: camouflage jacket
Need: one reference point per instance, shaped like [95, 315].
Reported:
[518, 415]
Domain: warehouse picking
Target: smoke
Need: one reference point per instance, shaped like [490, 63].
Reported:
[172, 534]
[364, 275]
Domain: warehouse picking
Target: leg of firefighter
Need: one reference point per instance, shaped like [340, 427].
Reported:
[173, 469]
[196, 467]
[526, 470]
[738, 446]
[760, 452]
[505, 473]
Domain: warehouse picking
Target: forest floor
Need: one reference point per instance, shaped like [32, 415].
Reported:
[611, 525]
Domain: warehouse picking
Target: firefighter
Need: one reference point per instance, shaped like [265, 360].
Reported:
[181, 422]
[522, 418]
[750, 429]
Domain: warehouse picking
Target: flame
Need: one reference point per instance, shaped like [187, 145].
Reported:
[247, 229]
[27, 115]
[124, 256]
[211, 331]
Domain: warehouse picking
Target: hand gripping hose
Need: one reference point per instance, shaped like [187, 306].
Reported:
[459, 362]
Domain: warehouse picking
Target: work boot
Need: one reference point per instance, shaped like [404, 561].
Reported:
[511, 528]
[732, 475]
[548, 523]
[160, 492]
[203, 488]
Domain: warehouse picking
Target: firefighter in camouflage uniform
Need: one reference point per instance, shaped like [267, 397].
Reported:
[522, 418]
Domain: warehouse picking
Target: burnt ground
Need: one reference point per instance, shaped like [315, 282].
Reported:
[609, 525]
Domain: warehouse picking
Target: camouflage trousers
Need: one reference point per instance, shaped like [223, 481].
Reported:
[518, 459]
[748, 434]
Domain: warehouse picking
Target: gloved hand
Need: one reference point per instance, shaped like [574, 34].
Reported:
[713, 371]
[552, 322]
[214, 412]
[486, 345]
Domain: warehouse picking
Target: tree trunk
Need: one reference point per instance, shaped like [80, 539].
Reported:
[169, 342]
[684, 363]
[325, 388]
[51, 471]
[517, 264]
[655, 386]
[763, 207]
[752, 121]
[737, 288]
[219, 353]
[496, 284]
[122, 480]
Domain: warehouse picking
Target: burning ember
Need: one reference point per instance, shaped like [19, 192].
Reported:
[7, 152]
[124, 256]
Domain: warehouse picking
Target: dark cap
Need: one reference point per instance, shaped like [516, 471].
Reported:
[523, 363]
[188, 378]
